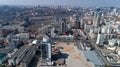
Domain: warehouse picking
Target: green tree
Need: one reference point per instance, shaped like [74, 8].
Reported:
[3, 65]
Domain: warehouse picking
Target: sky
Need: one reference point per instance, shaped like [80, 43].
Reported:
[114, 3]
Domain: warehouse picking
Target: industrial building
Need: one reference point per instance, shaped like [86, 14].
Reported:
[19, 54]
[28, 56]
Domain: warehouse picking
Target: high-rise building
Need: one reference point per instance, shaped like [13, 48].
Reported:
[81, 24]
[63, 26]
[78, 24]
[97, 19]
[100, 39]
[46, 51]
[26, 19]
[72, 20]
[53, 32]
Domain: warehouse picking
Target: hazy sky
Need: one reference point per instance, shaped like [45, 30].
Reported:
[63, 2]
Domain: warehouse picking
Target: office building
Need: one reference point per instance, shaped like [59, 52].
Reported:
[96, 19]
[53, 32]
[100, 39]
[63, 26]
[78, 24]
[46, 51]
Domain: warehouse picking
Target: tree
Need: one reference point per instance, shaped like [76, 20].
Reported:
[3, 65]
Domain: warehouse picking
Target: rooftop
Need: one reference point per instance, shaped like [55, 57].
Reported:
[3, 50]
[17, 53]
[28, 54]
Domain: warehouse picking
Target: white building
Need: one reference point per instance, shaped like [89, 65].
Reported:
[100, 39]
[46, 50]
[88, 26]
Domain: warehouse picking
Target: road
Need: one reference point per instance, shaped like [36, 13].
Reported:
[98, 50]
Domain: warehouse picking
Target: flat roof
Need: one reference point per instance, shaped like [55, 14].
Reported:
[17, 53]
[28, 55]
[92, 56]
[45, 42]
[4, 50]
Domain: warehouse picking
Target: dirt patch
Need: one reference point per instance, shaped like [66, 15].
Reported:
[75, 56]
[86, 63]
[69, 48]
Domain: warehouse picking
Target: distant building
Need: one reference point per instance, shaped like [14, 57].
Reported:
[63, 26]
[14, 27]
[81, 24]
[12, 44]
[78, 23]
[53, 32]
[97, 19]
[88, 27]
[23, 35]
[26, 20]
[72, 20]
[69, 38]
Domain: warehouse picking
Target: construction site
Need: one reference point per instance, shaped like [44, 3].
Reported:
[67, 55]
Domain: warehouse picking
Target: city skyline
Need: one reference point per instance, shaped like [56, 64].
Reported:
[59, 33]
[107, 3]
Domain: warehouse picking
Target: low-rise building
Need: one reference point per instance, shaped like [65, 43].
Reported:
[28, 57]
[66, 38]
[19, 54]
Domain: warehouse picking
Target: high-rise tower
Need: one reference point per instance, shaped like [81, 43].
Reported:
[63, 26]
